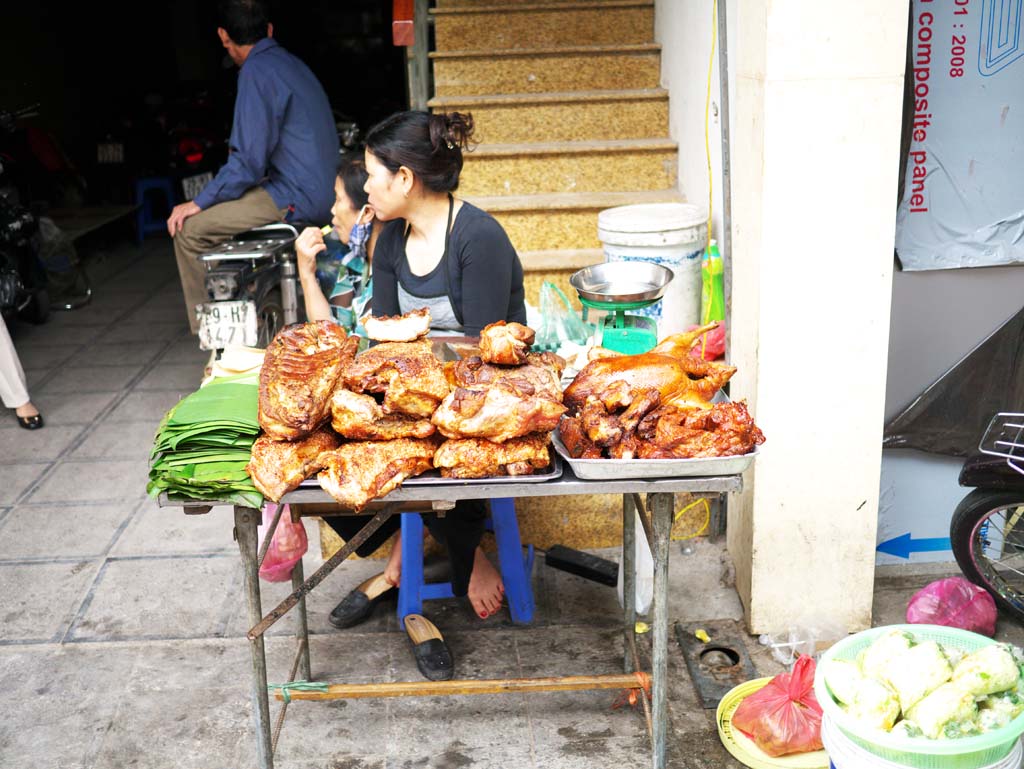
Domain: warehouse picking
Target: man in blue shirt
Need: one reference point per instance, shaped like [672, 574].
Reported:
[284, 149]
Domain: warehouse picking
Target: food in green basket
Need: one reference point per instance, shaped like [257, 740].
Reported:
[941, 712]
[997, 710]
[916, 672]
[866, 699]
[882, 650]
[842, 678]
[989, 670]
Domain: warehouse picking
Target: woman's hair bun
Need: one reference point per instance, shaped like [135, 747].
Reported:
[451, 130]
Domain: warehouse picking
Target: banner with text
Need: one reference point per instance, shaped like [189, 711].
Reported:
[963, 199]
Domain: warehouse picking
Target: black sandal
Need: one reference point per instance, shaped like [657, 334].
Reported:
[34, 422]
[433, 657]
[358, 605]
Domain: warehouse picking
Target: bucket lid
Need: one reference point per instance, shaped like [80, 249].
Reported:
[652, 217]
[743, 748]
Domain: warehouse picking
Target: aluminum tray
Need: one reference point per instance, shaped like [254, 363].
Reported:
[433, 478]
[602, 469]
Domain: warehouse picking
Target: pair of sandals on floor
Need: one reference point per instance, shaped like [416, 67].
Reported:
[433, 657]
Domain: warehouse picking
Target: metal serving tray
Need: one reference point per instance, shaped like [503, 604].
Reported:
[433, 478]
[602, 469]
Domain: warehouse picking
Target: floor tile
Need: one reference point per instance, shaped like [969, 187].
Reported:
[58, 409]
[150, 332]
[39, 600]
[186, 597]
[186, 351]
[141, 406]
[179, 377]
[82, 379]
[127, 354]
[118, 440]
[34, 356]
[93, 482]
[14, 479]
[168, 531]
[45, 335]
[62, 531]
[37, 445]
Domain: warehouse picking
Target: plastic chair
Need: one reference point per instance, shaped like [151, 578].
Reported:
[146, 219]
[516, 567]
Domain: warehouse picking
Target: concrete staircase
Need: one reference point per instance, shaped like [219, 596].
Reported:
[569, 115]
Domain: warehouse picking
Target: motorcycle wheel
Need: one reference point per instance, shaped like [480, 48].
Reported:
[987, 535]
[269, 318]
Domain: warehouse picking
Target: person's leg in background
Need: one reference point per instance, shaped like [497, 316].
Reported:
[13, 388]
[206, 229]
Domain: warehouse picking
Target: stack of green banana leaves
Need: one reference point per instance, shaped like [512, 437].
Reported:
[203, 444]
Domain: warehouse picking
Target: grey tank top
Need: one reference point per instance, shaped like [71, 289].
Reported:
[442, 316]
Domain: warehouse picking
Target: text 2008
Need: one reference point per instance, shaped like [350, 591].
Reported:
[957, 50]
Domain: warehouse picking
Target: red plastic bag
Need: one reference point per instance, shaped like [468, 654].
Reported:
[784, 717]
[710, 345]
[288, 545]
[954, 602]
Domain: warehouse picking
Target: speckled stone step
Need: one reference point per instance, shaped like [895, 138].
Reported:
[551, 167]
[561, 221]
[543, 24]
[564, 116]
[539, 70]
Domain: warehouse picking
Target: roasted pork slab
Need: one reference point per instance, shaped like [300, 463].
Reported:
[540, 375]
[300, 371]
[357, 416]
[359, 472]
[495, 413]
[410, 376]
[277, 467]
[481, 458]
[398, 328]
[505, 344]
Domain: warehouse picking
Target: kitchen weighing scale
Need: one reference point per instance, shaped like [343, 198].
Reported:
[616, 288]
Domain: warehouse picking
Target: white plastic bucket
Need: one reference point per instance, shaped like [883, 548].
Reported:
[671, 234]
[844, 753]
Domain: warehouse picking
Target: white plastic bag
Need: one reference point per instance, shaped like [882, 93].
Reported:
[644, 571]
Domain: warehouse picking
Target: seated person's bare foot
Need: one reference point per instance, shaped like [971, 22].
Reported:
[486, 590]
[393, 569]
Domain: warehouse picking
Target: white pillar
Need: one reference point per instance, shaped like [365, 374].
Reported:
[815, 148]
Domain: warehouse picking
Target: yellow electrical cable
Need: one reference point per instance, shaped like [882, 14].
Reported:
[707, 152]
[703, 527]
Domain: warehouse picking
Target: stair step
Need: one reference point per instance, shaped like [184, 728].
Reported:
[541, 70]
[560, 259]
[552, 167]
[543, 25]
[548, 222]
[452, 4]
[564, 116]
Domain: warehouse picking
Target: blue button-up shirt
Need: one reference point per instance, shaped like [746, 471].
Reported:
[283, 137]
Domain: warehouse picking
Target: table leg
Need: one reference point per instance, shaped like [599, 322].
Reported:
[246, 521]
[628, 581]
[302, 627]
[661, 514]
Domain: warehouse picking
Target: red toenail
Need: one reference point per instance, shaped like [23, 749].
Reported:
[483, 615]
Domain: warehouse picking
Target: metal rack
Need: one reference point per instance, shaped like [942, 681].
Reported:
[655, 516]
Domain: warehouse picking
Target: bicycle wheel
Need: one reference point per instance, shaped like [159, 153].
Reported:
[269, 318]
[987, 535]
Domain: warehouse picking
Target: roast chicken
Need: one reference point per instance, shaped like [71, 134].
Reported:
[398, 328]
[481, 458]
[359, 417]
[407, 373]
[668, 368]
[495, 413]
[277, 467]
[539, 376]
[359, 472]
[505, 344]
[300, 371]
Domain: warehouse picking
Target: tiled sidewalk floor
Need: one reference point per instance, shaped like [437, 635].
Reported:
[121, 640]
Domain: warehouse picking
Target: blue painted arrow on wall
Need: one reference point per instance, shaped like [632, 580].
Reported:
[903, 545]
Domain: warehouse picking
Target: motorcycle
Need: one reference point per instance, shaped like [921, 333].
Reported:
[987, 528]
[252, 282]
[23, 281]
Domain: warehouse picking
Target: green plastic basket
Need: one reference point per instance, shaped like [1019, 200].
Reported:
[963, 753]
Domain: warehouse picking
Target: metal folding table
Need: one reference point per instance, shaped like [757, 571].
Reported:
[656, 517]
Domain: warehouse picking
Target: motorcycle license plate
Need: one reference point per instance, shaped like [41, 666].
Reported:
[193, 185]
[224, 323]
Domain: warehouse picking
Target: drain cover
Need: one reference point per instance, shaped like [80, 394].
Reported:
[718, 665]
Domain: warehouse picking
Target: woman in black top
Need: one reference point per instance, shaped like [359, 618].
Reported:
[440, 252]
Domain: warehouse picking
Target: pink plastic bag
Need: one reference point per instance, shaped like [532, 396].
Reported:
[954, 602]
[288, 545]
[783, 717]
[711, 345]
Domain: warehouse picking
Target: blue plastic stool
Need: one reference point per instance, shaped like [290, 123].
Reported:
[516, 567]
[146, 220]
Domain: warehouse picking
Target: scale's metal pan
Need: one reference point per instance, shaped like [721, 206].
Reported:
[621, 282]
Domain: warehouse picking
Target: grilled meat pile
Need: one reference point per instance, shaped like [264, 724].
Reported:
[655, 406]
